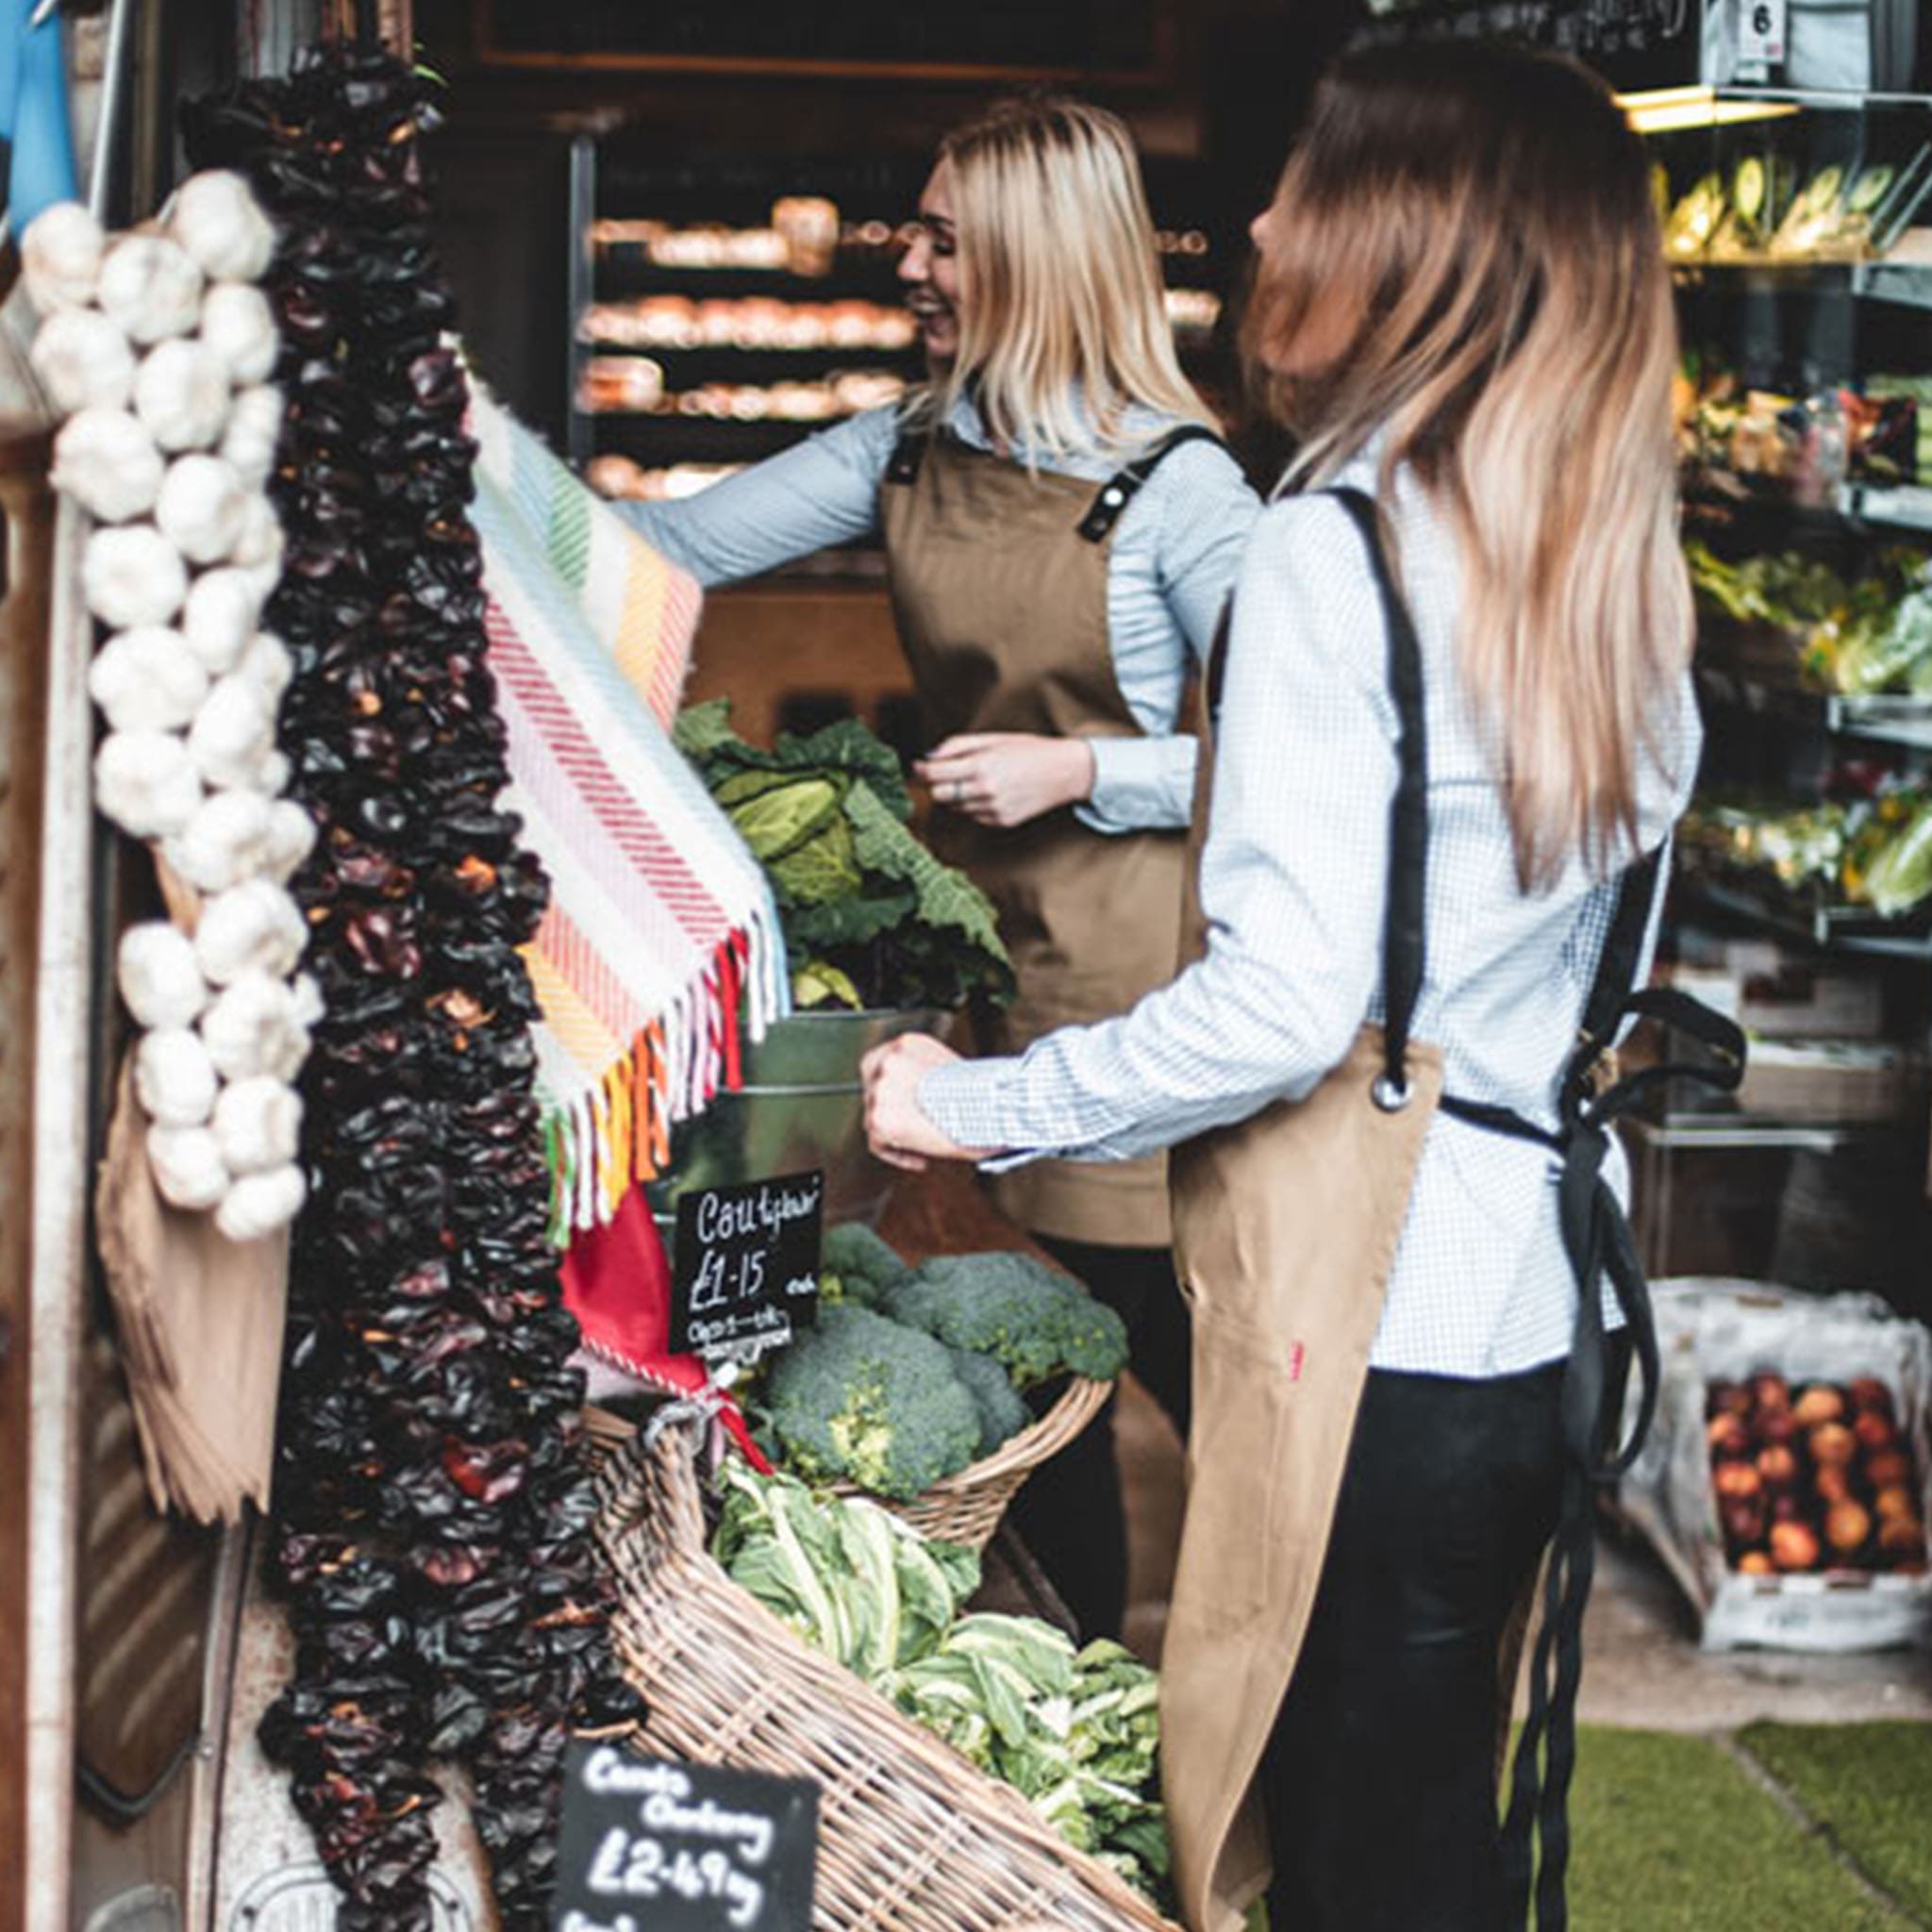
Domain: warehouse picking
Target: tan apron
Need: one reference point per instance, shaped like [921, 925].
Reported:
[1286, 1228]
[999, 587]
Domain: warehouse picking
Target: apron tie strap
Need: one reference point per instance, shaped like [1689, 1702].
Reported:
[1601, 1247]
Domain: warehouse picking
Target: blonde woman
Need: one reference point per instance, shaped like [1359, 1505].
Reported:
[1062, 530]
[1454, 727]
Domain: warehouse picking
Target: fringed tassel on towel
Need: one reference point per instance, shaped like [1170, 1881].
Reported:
[616, 1133]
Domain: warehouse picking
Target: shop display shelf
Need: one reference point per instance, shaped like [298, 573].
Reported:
[1905, 722]
[1729, 1133]
[739, 362]
[1907, 284]
[1904, 283]
[1907, 506]
[1829, 929]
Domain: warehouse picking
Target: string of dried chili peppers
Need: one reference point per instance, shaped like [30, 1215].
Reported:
[433, 1510]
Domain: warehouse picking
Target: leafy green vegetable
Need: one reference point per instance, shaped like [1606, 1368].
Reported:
[1002, 1413]
[864, 1260]
[870, 915]
[819, 983]
[848, 1577]
[1034, 1320]
[870, 1401]
[1077, 1734]
[1901, 876]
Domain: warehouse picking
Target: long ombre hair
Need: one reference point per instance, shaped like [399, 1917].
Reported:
[1463, 260]
[1060, 283]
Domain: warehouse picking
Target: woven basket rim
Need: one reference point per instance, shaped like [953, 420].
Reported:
[1077, 1406]
[684, 1561]
[1020, 1453]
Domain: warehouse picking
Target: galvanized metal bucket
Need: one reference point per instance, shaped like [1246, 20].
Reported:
[801, 1106]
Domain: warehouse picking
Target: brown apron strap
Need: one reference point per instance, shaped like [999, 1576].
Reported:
[1122, 488]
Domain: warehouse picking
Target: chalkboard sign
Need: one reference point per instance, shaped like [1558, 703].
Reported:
[653, 1847]
[1632, 43]
[744, 1265]
[1114, 38]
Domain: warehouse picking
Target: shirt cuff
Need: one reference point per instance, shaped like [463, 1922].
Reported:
[1139, 784]
[966, 1101]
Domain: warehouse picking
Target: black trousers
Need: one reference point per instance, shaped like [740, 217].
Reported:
[1068, 1514]
[1380, 1775]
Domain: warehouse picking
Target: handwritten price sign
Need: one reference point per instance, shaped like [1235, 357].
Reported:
[654, 1847]
[744, 1265]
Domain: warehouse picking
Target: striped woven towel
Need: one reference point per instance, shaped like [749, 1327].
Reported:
[661, 936]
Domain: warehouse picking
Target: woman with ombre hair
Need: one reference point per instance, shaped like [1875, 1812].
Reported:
[1453, 726]
[1061, 527]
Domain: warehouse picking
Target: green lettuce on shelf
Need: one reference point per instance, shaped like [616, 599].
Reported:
[1075, 1732]
[1874, 853]
[1856, 638]
[870, 917]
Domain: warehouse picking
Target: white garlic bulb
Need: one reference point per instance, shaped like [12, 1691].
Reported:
[181, 394]
[217, 219]
[259, 546]
[267, 665]
[257, 1030]
[147, 680]
[260, 1204]
[60, 258]
[108, 464]
[253, 927]
[291, 838]
[151, 287]
[145, 782]
[173, 1078]
[239, 326]
[258, 1124]
[220, 618]
[186, 1166]
[254, 433]
[269, 773]
[233, 732]
[132, 576]
[160, 980]
[225, 842]
[201, 510]
[83, 361]
[309, 1006]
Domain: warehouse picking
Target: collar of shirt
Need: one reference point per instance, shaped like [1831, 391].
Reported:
[1097, 459]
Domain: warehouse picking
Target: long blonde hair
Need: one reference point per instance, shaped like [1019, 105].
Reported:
[1463, 259]
[1061, 289]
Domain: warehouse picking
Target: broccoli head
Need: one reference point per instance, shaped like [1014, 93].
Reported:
[1032, 1318]
[867, 1266]
[1002, 1413]
[866, 1400]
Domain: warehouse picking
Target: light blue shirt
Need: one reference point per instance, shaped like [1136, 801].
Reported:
[1175, 552]
[1293, 885]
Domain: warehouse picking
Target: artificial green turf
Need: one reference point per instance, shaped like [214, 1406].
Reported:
[1871, 1786]
[1669, 1834]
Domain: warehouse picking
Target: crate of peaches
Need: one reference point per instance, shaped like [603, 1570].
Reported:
[1816, 1478]
[1785, 1485]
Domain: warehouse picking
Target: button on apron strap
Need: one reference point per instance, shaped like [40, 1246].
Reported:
[1120, 489]
[908, 453]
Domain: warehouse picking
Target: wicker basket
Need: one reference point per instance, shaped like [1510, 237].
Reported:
[966, 1507]
[911, 1838]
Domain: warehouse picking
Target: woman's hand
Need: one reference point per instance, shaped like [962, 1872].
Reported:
[1008, 778]
[894, 1124]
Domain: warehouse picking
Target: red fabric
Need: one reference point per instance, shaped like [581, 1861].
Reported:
[617, 1283]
